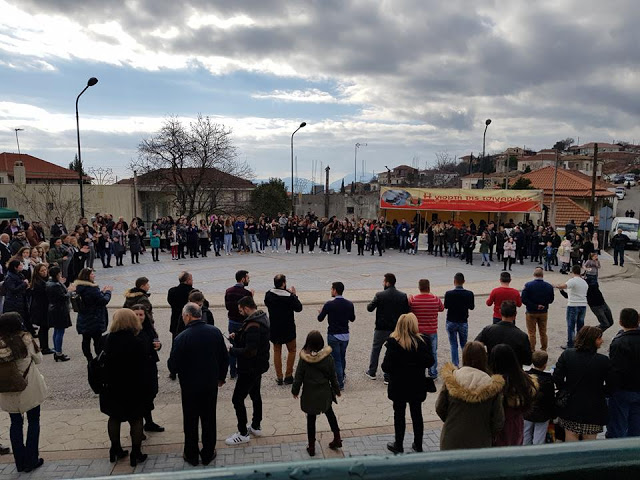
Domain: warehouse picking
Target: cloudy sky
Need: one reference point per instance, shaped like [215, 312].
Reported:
[408, 77]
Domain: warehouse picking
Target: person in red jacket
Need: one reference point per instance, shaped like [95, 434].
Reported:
[502, 293]
[426, 306]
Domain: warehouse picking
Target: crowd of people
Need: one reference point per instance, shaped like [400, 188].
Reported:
[486, 399]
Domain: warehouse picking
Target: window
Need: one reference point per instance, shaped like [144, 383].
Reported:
[3, 202]
[350, 210]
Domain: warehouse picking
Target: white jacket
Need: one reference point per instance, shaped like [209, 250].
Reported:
[36, 391]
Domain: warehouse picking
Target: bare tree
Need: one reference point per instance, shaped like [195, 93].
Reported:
[47, 201]
[101, 175]
[193, 164]
[445, 163]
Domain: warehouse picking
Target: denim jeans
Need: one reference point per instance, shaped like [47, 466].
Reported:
[457, 331]
[624, 415]
[575, 321]
[253, 240]
[240, 240]
[233, 328]
[452, 249]
[403, 243]
[217, 244]
[433, 369]
[228, 239]
[58, 335]
[379, 337]
[339, 353]
[25, 455]
[535, 433]
[274, 244]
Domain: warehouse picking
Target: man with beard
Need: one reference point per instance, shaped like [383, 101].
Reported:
[231, 298]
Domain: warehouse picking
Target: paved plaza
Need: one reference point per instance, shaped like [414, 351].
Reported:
[74, 441]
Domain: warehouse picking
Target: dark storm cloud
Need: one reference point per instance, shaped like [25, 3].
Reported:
[458, 57]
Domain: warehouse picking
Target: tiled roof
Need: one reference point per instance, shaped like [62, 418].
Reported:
[600, 145]
[567, 209]
[161, 176]
[569, 183]
[35, 167]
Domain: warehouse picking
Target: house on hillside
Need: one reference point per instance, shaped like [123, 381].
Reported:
[589, 148]
[27, 169]
[572, 194]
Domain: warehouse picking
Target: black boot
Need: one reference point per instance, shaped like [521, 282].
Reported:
[117, 453]
[136, 457]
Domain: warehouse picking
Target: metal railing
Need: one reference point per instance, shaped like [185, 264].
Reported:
[601, 460]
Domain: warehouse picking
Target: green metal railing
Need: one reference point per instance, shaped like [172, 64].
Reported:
[597, 460]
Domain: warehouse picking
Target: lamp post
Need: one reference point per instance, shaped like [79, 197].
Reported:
[355, 164]
[487, 122]
[17, 141]
[90, 83]
[303, 124]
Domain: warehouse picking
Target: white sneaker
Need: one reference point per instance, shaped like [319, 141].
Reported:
[253, 431]
[237, 439]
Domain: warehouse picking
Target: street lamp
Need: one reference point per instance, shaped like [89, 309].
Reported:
[90, 83]
[355, 164]
[302, 125]
[487, 122]
[17, 141]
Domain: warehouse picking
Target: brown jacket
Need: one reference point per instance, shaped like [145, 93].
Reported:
[470, 405]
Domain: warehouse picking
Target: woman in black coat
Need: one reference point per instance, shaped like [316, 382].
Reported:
[584, 375]
[152, 345]
[93, 316]
[58, 316]
[39, 305]
[406, 360]
[126, 395]
[15, 293]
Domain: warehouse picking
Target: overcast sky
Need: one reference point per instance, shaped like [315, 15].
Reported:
[408, 77]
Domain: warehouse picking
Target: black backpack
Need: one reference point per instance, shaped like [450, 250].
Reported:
[77, 303]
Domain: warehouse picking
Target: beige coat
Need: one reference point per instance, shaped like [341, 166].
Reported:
[36, 391]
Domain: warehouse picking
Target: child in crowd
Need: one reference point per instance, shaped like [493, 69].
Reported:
[316, 375]
[536, 421]
[548, 257]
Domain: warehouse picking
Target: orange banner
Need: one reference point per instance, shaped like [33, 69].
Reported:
[459, 200]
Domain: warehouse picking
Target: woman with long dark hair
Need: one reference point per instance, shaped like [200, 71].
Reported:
[39, 305]
[519, 392]
[15, 292]
[126, 397]
[407, 358]
[470, 401]
[583, 375]
[18, 346]
[58, 315]
[316, 376]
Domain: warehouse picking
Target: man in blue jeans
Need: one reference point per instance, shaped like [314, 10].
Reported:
[624, 402]
[340, 312]
[576, 289]
[457, 303]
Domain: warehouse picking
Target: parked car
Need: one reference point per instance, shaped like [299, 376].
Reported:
[618, 179]
[620, 192]
[630, 180]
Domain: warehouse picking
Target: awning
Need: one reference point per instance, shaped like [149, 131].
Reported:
[459, 200]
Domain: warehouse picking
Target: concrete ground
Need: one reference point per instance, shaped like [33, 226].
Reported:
[74, 442]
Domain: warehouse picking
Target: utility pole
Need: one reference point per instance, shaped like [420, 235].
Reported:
[593, 182]
[553, 195]
[326, 192]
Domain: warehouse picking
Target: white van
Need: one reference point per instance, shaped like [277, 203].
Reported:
[629, 227]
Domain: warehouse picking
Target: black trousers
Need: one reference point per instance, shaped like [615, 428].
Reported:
[199, 407]
[360, 248]
[43, 336]
[399, 422]
[247, 383]
[311, 424]
[86, 344]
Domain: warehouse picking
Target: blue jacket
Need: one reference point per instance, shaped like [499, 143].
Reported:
[93, 317]
[537, 292]
[199, 357]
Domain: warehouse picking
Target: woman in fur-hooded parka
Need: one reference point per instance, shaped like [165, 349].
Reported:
[470, 405]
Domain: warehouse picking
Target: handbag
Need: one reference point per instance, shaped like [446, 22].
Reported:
[10, 378]
[430, 385]
[563, 396]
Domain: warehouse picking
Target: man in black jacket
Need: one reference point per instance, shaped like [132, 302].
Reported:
[389, 305]
[506, 332]
[177, 297]
[282, 303]
[251, 348]
[618, 243]
[624, 403]
[232, 296]
[199, 358]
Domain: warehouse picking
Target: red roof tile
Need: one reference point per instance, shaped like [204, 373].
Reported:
[162, 175]
[35, 167]
[567, 209]
[569, 183]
